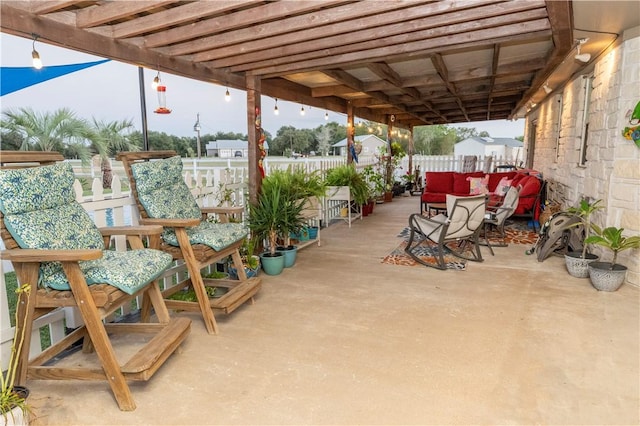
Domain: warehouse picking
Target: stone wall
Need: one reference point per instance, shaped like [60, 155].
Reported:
[612, 170]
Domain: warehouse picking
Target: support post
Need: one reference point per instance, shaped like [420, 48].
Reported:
[254, 132]
[350, 132]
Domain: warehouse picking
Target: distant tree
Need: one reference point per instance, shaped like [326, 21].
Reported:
[323, 136]
[109, 138]
[58, 131]
[519, 138]
[230, 136]
[434, 140]
[463, 133]
[484, 134]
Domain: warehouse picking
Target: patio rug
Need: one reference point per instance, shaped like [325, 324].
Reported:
[426, 251]
[515, 232]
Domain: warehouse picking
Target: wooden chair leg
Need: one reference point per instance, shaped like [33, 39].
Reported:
[196, 281]
[99, 337]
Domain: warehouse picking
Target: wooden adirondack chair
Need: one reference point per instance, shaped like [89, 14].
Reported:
[53, 243]
[163, 198]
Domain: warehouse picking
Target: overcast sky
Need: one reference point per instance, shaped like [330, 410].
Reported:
[110, 92]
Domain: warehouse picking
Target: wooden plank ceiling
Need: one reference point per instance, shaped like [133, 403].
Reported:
[424, 62]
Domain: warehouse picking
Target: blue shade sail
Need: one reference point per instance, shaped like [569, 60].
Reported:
[13, 79]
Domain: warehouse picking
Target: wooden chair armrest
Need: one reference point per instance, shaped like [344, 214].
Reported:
[223, 210]
[132, 230]
[38, 255]
[171, 223]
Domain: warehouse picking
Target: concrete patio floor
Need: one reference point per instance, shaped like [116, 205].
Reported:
[344, 339]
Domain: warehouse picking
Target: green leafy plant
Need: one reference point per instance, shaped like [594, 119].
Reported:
[612, 239]
[9, 398]
[347, 175]
[584, 210]
[374, 180]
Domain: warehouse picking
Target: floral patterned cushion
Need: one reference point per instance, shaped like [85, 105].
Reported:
[162, 190]
[40, 210]
[129, 271]
[215, 235]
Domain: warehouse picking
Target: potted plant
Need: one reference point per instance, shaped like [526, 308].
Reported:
[375, 184]
[250, 261]
[13, 398]
[266, 221]
[609, 276]
[296, 186]
[347, 175]
[578, 262]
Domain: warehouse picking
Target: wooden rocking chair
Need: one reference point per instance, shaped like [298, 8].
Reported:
[163, 198]
[53, 244]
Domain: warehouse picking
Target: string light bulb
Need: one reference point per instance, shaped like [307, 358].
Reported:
[326, 116]
[156, 81]
[302, 110]
[276, 111]
[227, 95]
[37, 62]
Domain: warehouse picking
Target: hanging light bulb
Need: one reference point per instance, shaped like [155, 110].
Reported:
[156, 81]
[275, 108]
[37, 62]
[302, 110]
[227, 95]
[326, 116]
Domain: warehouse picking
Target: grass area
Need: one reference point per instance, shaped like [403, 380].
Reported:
[11, 283]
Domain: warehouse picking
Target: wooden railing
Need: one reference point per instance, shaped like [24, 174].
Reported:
[213, 182]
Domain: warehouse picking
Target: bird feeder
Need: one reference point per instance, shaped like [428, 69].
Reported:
[162, 100]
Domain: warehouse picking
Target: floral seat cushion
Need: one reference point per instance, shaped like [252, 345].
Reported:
[129, 271]
[164, 195]
[40, 211]
[215, 235]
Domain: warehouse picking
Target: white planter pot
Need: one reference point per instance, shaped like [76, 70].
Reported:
[577, 266]
[604, 277]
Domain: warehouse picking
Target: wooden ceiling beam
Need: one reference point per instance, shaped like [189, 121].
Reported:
[245, 18]
[44, 7]
[113, 11]
[177, 16]
[378, 38]
[561, 21]
[312, 26]
[371, 23]
[411, 49]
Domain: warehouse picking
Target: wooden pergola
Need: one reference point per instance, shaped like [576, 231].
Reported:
[403, 63]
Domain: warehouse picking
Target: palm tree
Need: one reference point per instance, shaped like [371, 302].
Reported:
[108, 139]
[57, 131]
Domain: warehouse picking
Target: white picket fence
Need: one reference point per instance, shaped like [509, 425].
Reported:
[213, 182]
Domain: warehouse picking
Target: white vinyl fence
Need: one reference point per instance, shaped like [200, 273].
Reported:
[213, 182]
